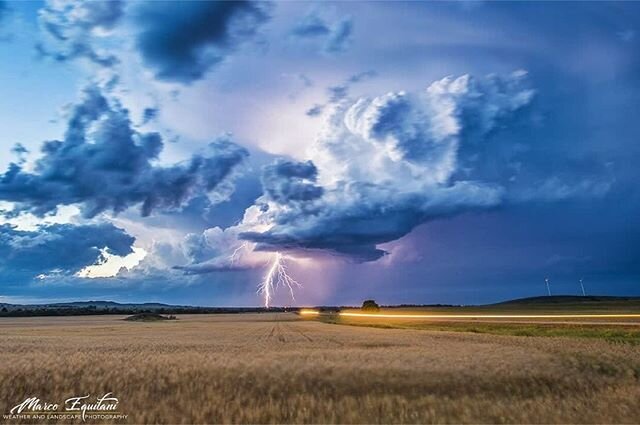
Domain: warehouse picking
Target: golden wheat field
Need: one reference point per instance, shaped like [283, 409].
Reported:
[278, 368]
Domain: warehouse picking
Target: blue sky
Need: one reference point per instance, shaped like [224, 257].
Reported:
[419, 152]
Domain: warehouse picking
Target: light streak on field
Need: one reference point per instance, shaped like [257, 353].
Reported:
[311, 312]
[489, 316]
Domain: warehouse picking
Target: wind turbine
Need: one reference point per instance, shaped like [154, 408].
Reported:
[582, 287]
[546, 281]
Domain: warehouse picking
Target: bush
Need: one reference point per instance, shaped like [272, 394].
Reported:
[370, 305]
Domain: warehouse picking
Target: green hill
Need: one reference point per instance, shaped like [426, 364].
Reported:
[596, 303]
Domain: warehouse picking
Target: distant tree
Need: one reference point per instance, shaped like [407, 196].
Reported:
[370, 305]
[4, 309]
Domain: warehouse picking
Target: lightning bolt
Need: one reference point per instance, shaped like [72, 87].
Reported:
[233, 257]
[276, 275]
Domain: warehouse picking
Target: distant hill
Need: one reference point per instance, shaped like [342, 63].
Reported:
[90, 304]
[570, 299]
[112, 304]
[83, 308]
[563, 303]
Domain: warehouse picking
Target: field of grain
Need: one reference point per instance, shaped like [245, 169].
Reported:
[277, 368]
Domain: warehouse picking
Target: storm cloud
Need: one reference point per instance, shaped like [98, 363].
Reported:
[182, 41]
[103, 163]
[492, 186]
[333, 37]
[287, 181]
[72, 27]
[59, 249]
[380, 167]
[389, 163]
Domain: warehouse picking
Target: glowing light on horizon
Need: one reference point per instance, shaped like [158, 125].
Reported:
[308, 312]
[276, 276]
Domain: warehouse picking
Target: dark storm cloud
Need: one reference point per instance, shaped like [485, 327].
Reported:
[71, 27]
[337, 93]
[315, 110]
[340, 37]
[149, 114]
[360, 216]
[20, 151]
[311, 26]
[362, 76]
[287, 181]
[103, 163]
[181, 41]
[61, 249]
[334, 37]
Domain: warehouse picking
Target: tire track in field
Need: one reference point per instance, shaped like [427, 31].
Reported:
[252, 333]
[293, 333]
[280, 333]
[276, 332]
[283, 329]
[307, 332]
[321, 335]
[304, 335]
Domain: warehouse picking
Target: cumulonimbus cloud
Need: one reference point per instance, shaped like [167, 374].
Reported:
[103, 163]
[381, 167]
[390, 163]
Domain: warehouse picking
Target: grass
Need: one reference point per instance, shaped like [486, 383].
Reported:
[276, 368]
[614, 333]
[544, 305]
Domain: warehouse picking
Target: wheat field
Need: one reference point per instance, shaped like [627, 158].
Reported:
[278, 368]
